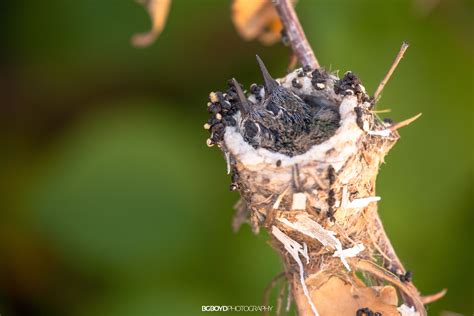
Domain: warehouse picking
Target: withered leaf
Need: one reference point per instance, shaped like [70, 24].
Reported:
[158, 11]
[337, 297]
[257, 19]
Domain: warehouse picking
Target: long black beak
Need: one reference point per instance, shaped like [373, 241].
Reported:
[270, 83]
[243, 104]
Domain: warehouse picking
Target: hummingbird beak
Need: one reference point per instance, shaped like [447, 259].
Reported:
[270, 83]
[243, 104]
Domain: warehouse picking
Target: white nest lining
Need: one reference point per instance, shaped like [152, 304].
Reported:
[344, 143]
[406, 310]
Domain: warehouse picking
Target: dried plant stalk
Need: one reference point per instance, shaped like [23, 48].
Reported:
[304, 152]
[320, 206]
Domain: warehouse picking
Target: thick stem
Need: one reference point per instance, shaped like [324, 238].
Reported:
[298, 41]
[322, 218]
[386, 246]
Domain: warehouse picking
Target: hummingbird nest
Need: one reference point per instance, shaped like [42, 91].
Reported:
[304, 152]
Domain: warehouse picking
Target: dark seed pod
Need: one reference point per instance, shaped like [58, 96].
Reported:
[223, 103]
[331, 175]
[331, 200]
[229, 121]
[319, 76]
[217, 128]
[407, 277]
[359, 112]
[307, 68]
[216, 138]
[234, 176]
[350, 82]
[214, 108]
[211, 121]
[220, 96]
[230, 96]
[296, 83]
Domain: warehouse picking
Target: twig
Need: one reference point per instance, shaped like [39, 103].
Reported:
[395, 263]
[401, 124]
[288, 298]
[381, 111]
[434, 297]
[269, 288]
[391, 70]
[294, 32]
[280, 299]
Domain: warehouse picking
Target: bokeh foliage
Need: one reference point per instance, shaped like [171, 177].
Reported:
[112, 203]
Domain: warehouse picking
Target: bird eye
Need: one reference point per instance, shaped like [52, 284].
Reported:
[272, 107]
[251, 129]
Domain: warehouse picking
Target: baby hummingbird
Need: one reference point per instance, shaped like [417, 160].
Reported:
[282, 121]
[286, 107]
[251, 125]
[284, 114]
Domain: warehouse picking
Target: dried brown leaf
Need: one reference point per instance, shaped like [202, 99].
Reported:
[158, 11]
[257, 19]
[350, 298]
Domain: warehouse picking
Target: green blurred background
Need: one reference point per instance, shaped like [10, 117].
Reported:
[111, 203]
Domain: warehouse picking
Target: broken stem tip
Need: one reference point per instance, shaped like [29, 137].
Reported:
[401, 124]
[391, 70]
